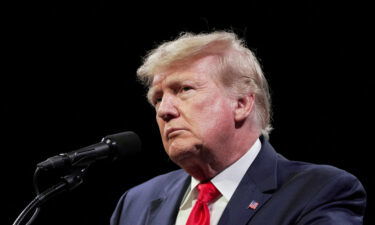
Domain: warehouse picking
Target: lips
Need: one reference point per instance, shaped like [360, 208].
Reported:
[170, 132]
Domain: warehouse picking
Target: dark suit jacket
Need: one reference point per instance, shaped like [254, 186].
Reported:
[287, 192]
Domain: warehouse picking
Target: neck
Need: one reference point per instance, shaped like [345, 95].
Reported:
[211, 162]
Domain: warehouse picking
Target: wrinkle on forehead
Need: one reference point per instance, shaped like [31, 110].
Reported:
[205, 66]
[202, 65]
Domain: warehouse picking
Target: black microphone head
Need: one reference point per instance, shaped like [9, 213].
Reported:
[124, 144]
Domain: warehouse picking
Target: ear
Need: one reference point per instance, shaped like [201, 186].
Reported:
[244, 106]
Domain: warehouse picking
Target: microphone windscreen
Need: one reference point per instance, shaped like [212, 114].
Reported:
[126, 143]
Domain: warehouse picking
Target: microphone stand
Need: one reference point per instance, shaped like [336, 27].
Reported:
[68, 183]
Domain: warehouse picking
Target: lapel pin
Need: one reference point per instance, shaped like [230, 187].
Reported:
[253, 205]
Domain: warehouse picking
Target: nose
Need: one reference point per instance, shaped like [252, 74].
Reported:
[167, 108]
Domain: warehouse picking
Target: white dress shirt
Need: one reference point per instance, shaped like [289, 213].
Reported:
[226, 182]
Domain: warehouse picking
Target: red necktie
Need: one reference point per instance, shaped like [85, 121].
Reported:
[200, 215]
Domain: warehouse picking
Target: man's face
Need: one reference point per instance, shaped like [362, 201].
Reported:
[193, 111]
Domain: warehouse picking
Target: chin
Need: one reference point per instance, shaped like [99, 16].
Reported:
[181, 154]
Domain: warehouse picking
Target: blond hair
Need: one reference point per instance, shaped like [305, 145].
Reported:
[238, 69]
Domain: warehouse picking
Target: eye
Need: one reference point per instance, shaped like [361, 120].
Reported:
[157, 100]
[186, 88]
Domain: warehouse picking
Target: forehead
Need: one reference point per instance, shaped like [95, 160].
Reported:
[203, 67]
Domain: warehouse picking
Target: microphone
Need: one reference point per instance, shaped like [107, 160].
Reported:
[111, 147]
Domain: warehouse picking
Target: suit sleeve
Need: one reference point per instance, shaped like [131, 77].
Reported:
[342, 201]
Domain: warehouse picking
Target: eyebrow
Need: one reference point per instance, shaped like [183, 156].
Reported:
[172, 82]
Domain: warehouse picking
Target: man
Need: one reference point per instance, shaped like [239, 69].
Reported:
[213, 110]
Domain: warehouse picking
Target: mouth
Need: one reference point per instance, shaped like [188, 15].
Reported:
[172, 132]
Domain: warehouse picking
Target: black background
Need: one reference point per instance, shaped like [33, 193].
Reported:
[69, 79]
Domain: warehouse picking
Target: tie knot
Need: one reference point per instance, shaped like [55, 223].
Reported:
[207, 192]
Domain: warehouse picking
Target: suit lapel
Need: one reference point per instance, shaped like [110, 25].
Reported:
[255, 188]
[164, 209]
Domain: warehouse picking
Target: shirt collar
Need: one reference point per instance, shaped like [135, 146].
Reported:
[228, 180]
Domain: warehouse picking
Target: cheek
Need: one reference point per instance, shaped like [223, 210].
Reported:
[214, 117]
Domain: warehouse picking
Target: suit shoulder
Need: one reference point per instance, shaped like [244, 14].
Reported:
[328, 191]
[137, 200]
[155, 184]
[322, 193]
[310, 173]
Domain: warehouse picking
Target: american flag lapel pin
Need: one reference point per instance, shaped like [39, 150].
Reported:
[253, 205]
